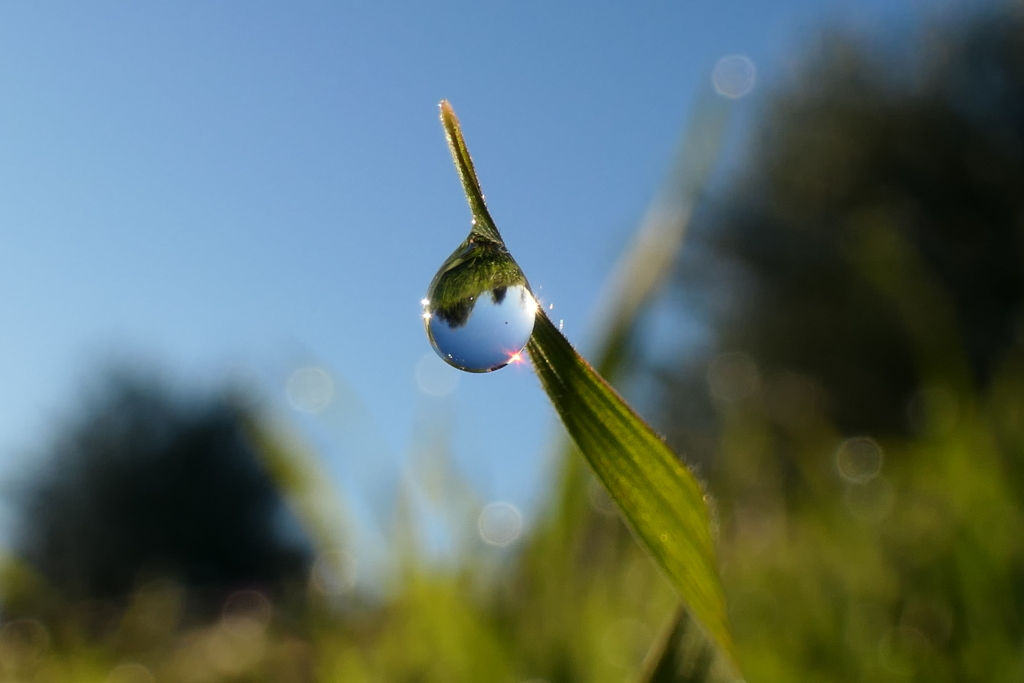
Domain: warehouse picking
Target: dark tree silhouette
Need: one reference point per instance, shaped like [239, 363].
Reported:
[146, 484]
[867, 147]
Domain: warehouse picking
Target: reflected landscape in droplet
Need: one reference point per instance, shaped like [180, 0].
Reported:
[498, 325]
[479, 311]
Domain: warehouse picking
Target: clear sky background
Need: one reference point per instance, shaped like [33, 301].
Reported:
[221, 189]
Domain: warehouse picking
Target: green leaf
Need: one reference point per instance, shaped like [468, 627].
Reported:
[483, 226]
[659, 497]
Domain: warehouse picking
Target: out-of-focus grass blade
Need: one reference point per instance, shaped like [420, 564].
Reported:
[297, 472]
[676, 659]
[661, 500]
[645, 266]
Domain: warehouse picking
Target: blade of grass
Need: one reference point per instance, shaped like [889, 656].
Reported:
[661, 500]
[482, 222]
[300, 475]
[671, 661]
[643, 268]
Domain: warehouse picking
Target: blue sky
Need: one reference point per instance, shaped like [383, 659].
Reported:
[243, 188]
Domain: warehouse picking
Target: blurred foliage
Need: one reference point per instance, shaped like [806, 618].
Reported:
[577, 600]
[145, 483]
[860, 421]
[858, 414]
[864, 145]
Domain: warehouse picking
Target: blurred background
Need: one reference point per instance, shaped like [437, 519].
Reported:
[791, 234]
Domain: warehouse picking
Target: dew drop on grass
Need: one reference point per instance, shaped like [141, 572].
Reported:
[479, 310]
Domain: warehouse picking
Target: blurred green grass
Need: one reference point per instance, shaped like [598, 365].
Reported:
[896, 577]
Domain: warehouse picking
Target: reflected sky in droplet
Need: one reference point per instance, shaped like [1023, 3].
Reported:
[498, 325]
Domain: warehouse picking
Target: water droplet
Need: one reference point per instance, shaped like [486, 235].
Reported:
[479, 310]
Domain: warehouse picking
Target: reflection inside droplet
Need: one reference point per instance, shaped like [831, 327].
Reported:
[479, 310]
